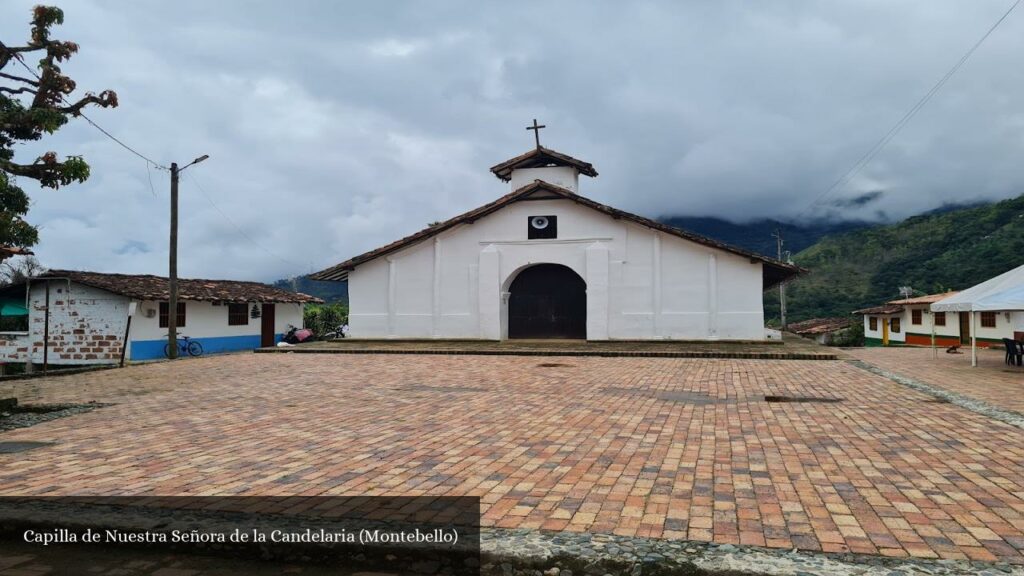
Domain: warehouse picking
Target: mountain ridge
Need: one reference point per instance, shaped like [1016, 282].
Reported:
[932, 252]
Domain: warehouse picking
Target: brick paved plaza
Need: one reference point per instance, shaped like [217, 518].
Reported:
[667, 448]
[991, 381]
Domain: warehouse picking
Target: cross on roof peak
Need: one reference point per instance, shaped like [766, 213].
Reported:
[536, 131]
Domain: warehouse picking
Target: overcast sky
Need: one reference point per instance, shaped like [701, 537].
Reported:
[333, 128]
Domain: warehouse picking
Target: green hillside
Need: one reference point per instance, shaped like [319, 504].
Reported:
[930, 253]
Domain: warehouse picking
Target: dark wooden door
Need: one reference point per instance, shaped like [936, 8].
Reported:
[547, 301]
[965, 327]
[267, 326]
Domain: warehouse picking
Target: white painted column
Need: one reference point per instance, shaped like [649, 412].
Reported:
[597, 291]
[503, 314]
[489, 280]
[712, 297]
[392, 291]
[974, 340]
[656, 284]
[435, 319]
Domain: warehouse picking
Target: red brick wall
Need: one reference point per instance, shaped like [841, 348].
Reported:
[86, 325]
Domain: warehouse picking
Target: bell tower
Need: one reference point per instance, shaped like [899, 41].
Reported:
[544, 164]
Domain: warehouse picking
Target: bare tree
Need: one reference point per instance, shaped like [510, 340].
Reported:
[19, 270]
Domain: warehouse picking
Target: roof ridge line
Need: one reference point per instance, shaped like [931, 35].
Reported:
[340, 271]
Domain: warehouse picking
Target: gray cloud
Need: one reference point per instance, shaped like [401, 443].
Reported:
[858, 200]
[334, 128]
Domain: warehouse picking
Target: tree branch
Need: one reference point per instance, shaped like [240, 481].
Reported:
[8, 53]
[34, 171]
[19, 79]
[105, 99]
[22, 90]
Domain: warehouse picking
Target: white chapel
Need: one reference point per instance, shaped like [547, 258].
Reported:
[545, 261]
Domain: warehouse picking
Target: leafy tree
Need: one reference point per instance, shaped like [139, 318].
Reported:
[34, 102]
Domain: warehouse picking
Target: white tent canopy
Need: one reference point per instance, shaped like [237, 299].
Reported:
[1004, 292]
[1012, 299]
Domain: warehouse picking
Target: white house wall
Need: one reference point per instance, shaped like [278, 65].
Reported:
[1007, 323]
[87, 326]
[994, 336]
[641, 284]
[208, 324]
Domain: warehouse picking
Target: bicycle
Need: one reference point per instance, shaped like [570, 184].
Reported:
[186, 345]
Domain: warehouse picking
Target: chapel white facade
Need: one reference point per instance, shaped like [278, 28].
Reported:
[544, 261]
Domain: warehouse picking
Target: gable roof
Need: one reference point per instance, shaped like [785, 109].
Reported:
[775, 271]
[538, 158]
[924, 299]
[820, 325]
[148, 287]
[895, 306]
[883, 309]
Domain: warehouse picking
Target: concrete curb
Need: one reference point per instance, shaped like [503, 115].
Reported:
[593, 353]
[648, 555]
[57, 373]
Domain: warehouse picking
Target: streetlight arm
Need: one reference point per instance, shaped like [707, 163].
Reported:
[196, 161]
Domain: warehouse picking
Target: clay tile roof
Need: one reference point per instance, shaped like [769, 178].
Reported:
[540, 157]
[147, 287]
[820, 325]
[775, 271]
[884, 309]
[924, 299]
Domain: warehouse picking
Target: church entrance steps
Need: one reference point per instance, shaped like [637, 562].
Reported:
[792, 348]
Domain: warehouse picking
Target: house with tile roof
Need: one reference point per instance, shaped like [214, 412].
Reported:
[545, 261]
[76, 317]
[910, 322]
[821, 330]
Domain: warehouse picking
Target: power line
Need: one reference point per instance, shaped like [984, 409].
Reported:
[239, 228]
[20, 60]
[907, 117]
[149, 175]
[123, 145]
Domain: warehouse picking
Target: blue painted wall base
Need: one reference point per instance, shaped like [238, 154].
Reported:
[154, 349]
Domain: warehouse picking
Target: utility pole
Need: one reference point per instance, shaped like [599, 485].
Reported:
[782, 286]
[172, 299]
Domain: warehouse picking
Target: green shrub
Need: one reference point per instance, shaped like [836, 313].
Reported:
[324, 318]
[852, 336]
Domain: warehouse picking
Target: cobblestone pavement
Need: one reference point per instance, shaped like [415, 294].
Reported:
[992, 381]
[663, 448]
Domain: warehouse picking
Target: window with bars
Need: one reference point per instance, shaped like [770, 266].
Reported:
[238, 314]
[940, 318]
[873, 323]
[165, 308]
[988, 319]
[894, 325]
[915, 316]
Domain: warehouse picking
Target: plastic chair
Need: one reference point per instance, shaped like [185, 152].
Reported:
[1013, 352]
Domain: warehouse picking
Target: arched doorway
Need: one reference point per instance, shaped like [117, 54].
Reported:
[547, 301]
